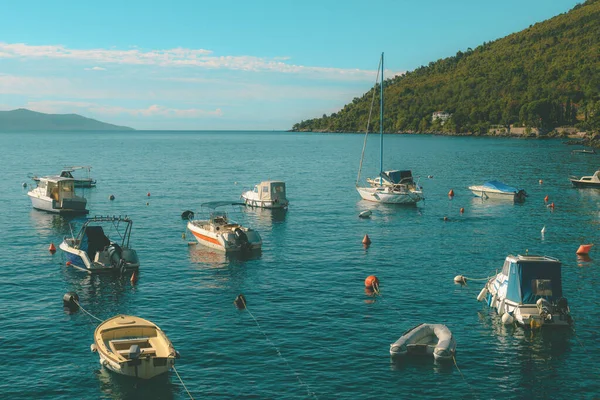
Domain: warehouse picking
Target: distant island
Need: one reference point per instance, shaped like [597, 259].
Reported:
[26, 120]
[536, 82]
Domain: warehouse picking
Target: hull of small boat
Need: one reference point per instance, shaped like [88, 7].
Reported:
[252, 201]
[79, 259]
[387, 196]
[486, 193]
[47, 204]
[585, 184]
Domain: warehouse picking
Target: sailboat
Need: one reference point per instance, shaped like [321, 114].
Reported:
[393, 186]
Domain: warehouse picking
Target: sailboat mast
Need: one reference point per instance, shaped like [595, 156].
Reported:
[381, 126]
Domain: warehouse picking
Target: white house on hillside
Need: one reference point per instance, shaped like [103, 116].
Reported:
[443, 115]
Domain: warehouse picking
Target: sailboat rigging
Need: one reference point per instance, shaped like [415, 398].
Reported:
[393, 186]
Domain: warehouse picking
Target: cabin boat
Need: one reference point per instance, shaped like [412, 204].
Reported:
[267, 194]
[528, 290]
[221, 233]
[92, 250]
[80, 182]
[133, 346]
[497, 190]
[432, 340]
[586, 181]
[57, 195]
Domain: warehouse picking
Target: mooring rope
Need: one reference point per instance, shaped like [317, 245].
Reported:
[297, 375]
[478, 279]
[85, 311]
[181, 380]
[463, 377]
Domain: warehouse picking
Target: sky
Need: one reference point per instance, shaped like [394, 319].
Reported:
[228, 64]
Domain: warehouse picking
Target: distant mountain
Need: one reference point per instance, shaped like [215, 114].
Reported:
[545, 76]
[27, 120]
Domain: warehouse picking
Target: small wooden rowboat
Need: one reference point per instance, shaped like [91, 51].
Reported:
[425, 340]
[133, 346]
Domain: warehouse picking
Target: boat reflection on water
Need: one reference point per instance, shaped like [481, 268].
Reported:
[265, 218]
[216, 259]
[47, 223]
[420, 364]
[116, 386]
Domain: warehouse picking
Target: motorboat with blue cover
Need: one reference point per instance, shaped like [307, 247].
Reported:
[528, 290]
[93, 251]
[432, 340]
[498, 190]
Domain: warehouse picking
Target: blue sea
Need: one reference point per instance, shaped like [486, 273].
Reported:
[310, 329]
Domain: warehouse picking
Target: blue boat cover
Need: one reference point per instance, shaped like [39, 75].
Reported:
[530, 281]
[500, 186]
[397, 176]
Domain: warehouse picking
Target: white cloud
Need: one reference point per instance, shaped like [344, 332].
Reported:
[95, 69]
[200, 58]
[59, 106]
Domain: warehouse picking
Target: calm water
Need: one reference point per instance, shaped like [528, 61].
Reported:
[316, 334]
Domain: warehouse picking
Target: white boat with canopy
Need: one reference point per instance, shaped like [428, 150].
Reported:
[57, 195]
[394, 186]
[528, 290]
[267, 194]
[219, 232]
[133, 346]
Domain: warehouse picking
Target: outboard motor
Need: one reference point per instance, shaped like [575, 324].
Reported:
[544, 308]
[242, 239]
[115, 254]
[562, 307]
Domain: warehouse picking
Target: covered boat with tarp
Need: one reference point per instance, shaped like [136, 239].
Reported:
[498, 190]
[528, 290]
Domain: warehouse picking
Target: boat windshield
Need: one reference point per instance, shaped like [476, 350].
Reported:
[218, 217]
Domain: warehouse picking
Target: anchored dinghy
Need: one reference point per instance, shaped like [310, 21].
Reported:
[425, 340]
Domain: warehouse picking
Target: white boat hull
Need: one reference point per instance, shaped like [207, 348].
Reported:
[386, 195]
[79, 259]
[45, 203]
[487, 193]
[252, 201]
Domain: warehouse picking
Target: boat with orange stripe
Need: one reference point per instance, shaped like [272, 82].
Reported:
[221, 233]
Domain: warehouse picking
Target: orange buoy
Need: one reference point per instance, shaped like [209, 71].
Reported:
[68, 263]
[134, 278]
[52, 249]
[462, 210]
[584, 249]
[372, 282]
[148, 194]
[546, 199]
[541, 181]
[551, 205]
[451, 193]
[366, 240]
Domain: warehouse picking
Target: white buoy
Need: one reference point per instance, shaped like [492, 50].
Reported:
[501, 307]
[494, 300]
[482, 294]
[507, 319]
[365, 214]
[460, 279]
[543, 229]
